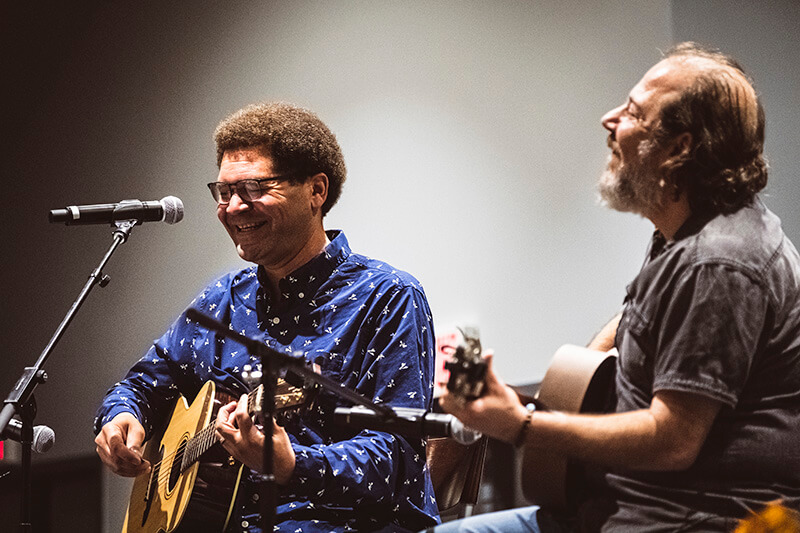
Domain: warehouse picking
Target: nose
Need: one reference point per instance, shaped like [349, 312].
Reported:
[236, 204]
[611, 119]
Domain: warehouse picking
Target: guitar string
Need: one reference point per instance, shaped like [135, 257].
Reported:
[199, 441]
[202, 437]
[176, 457]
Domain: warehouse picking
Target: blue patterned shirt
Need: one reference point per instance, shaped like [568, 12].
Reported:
[367, 326]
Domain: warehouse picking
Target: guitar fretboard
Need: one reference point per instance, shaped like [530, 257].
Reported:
[207, 437]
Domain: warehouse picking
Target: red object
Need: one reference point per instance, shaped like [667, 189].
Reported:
[446, 344]
[1, 450]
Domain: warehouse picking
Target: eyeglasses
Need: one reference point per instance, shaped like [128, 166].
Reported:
[248, 190]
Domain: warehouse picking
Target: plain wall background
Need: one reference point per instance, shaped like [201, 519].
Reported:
[472, 136]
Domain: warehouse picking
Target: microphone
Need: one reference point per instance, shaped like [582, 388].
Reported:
[409, 422]
[43, 436]
[169, 209]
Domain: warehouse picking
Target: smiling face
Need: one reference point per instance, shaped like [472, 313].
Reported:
[281, 230]
[632, 180]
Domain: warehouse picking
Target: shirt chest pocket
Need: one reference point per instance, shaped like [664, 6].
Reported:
[636, 346]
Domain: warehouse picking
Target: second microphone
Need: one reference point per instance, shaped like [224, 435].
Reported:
[408, 422]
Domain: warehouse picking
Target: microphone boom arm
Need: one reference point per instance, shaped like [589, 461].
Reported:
[297, 364]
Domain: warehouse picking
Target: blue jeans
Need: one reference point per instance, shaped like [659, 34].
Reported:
[523, 519]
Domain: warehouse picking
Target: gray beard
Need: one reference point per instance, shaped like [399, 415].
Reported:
[634, 187]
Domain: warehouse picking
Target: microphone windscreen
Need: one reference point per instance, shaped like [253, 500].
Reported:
[173, 209]
[463, 434]
[43, 439]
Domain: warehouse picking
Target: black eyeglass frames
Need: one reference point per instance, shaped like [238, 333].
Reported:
[248, 190]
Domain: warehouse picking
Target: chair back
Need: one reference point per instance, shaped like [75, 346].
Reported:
[456, 471]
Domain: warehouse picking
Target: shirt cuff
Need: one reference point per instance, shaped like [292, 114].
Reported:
[114, 411]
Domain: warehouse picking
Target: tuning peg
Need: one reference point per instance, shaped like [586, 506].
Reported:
[251, 375]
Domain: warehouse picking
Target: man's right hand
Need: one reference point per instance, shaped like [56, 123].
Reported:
[119, 445]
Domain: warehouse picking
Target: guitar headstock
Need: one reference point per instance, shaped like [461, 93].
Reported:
[467, 367]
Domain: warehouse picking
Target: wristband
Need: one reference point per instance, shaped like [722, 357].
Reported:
[520, 440]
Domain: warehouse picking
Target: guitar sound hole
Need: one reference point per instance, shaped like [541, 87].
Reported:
[175, 469]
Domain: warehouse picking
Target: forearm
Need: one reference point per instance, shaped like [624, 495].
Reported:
[666, 436]
[605, 338]
[625, 440]
[113, 404]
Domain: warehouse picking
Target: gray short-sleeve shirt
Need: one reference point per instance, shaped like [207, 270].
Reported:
[716, 312]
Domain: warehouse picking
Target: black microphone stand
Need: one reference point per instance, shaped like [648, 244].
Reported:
[21, 400]
[272, 362]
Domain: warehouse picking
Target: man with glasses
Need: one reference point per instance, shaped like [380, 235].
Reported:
[364, 323]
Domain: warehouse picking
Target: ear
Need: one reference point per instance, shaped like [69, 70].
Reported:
[678, 149]
[681, 145]
[319, 190]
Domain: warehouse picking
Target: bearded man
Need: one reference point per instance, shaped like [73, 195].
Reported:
[705, 427]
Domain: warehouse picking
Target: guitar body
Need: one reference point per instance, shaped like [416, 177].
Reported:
[198, 498]
[579, 380]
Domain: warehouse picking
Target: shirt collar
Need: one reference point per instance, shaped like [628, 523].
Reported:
[690, 226]
[693, 225]
[304, 282]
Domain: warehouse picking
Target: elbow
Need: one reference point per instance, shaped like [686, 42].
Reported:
[676, 456]
[680, 425]
[681, 461]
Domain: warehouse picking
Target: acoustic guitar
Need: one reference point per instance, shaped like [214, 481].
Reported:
[578, 380]
[193, 482]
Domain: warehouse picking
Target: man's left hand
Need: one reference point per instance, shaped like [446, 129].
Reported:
[498, 413]
[245, 442]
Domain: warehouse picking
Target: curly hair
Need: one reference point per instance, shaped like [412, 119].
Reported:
[295, 138]
[725, 168]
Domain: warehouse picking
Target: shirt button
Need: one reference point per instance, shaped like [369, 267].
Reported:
[276, 320]
[301, 295]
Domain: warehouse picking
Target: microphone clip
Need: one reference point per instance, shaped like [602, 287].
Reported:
[122, 229]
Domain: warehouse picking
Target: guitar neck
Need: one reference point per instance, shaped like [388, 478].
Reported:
[207, 437]
[286, 397]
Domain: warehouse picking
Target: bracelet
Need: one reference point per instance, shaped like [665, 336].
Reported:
[520, 440]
